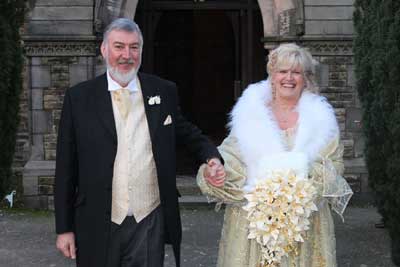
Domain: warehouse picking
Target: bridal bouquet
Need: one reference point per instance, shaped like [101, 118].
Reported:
[278, 209]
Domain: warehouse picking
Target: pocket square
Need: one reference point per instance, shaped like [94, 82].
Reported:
[168, 120]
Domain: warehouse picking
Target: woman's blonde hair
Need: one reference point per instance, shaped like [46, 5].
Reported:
[292, 56]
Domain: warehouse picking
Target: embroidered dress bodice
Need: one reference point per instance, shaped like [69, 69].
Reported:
[289, 136]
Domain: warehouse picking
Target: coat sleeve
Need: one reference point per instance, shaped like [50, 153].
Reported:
[66, 170]
[235, 179]
[327, 171]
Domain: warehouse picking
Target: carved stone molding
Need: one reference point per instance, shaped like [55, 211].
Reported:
[329, 48]
[318, 46]
[56, 49]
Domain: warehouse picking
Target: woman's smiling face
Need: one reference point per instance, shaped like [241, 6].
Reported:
[288, 82]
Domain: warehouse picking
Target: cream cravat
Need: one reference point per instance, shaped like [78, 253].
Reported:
[123, 100]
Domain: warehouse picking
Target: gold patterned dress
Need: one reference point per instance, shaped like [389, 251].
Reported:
[254, 136]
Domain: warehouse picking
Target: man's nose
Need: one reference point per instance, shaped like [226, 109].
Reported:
[126, 53]
[289, 74]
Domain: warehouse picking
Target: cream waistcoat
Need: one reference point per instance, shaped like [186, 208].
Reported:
[135, 186]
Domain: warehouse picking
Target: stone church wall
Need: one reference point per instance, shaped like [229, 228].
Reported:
[62, 49]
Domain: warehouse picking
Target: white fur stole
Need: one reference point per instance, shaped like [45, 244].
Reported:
[260, 139]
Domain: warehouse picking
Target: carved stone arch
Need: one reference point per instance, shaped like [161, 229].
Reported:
[282, 17]
[108, 10]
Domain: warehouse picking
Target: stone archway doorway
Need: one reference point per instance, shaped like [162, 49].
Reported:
[210, 51]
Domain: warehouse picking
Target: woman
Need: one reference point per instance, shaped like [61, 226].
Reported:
[274, 122]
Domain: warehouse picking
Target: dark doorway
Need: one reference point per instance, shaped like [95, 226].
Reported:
[211, 50]
[195, 49]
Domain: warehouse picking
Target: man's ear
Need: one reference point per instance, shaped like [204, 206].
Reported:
[103, 50]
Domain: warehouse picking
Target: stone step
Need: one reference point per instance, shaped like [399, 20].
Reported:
[190, 192]
[187, 185]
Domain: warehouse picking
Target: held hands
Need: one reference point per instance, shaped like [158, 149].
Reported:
[214, 173]
[66, 244]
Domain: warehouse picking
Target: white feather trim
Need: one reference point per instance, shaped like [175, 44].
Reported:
[258, 133]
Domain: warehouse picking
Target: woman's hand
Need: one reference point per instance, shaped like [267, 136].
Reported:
[214, 173]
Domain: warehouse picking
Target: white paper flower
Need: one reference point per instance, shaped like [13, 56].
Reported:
[278, 211]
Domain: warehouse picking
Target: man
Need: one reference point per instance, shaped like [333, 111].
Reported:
[116, 201]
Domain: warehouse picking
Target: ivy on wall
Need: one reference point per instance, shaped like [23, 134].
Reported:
[377, 68]
[11, 60]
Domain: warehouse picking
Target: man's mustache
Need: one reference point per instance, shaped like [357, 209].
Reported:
[125, 61]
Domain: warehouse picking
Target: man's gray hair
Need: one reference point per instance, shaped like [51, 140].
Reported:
[123, 24]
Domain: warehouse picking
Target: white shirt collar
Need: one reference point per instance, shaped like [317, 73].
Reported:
[113, 85]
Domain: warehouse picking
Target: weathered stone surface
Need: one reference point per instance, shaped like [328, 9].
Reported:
[337, 83]
[329, 27]
[60, 28]
[329, 2]
[56, 119]
[341, 76]
[46, 190]
[53, 98]
[77, 74]
[322, 75]
[30, 184]
[359, 146]
[351, 80]
[329, 12]
[40, 121]
[355, 165]
[353, 119]
[37, 152]
[37, 98]
[40, 76]
[338, 67]
[61, 13]
[340, 114]
[36, 61]
[64, 3]
[50, 202]
[50, 145]
[100, 67]
[348, 148]
[364, 183]
[46, 180]
[344, 96]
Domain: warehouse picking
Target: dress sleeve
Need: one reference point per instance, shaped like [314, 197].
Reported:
[235, 178]
[327, 171]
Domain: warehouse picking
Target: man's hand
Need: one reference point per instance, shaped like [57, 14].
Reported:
[66, 244]
[214, 173]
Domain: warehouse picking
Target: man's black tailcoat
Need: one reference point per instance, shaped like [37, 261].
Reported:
[86, 149]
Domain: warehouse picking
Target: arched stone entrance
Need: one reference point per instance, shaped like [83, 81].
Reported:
[280, 17]
[211, 51]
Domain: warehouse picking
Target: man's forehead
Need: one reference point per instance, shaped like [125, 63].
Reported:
[123, 36]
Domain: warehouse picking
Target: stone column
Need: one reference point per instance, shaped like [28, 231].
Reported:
[60, 50]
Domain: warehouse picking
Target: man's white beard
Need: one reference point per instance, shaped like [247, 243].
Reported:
[122, 78]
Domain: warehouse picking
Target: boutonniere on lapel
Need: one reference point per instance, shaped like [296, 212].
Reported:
[154, 100]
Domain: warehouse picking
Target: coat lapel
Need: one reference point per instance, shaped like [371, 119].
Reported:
[149, 89]
[104, 106]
